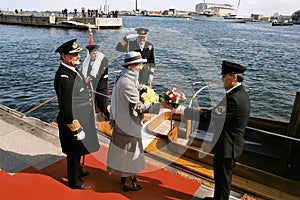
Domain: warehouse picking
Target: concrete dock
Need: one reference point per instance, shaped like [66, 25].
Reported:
[61, 21]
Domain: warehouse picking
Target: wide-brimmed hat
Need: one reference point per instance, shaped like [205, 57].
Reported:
[232, 68]
[133, 58]
[69, 47]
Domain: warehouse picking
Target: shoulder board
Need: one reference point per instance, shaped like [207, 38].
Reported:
[64, 76]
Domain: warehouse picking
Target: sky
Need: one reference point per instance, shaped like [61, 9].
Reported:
[247, 7]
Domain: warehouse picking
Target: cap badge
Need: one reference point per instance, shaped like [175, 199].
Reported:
[142, 31]
[220, 110]
[74, 45]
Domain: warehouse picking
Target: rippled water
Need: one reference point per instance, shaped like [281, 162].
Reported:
[186, 51]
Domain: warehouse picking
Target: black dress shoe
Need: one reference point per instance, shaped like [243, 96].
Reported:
[81, 187]
[134, 187]
[84, 173]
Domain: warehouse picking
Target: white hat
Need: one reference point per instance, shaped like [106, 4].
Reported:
[133, 58]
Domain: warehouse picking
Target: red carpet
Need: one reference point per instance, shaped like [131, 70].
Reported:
[51, 183]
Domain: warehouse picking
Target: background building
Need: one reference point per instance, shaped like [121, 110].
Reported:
[215, 9]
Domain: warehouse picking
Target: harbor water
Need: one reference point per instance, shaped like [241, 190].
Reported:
[186, 51]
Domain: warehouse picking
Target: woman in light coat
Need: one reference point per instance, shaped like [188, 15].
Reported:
[125, 154]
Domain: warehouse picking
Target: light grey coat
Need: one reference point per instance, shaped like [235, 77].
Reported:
[125, 154]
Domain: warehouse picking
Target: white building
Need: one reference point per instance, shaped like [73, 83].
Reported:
[216, 9]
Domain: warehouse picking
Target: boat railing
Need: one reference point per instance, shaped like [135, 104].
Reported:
[273, 134]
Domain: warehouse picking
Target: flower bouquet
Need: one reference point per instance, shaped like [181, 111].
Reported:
[148, 95]
[173, 97]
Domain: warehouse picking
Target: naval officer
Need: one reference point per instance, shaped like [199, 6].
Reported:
[76, 123]
[145, 48]
[228, 121]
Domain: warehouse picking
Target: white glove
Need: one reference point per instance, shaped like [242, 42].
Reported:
[179, 110]
[80, 135]
[131, 36]
[151, 78]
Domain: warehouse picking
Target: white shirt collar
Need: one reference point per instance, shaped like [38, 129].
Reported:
[233, 88]
[69, 67]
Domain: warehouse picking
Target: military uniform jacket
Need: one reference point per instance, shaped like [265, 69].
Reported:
[147, 53]
[228, 121]
[74, 102]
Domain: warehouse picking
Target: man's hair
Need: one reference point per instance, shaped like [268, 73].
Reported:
[240, 77]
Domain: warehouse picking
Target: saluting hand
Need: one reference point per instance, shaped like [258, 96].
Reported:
[131, 36]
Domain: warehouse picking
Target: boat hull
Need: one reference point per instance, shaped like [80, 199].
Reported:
[219, 19]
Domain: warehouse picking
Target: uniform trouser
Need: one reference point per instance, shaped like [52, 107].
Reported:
[101, 102]
[74, 169]
[223, 176]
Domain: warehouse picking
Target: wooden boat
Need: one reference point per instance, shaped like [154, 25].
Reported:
[269, 152]
[268, 166]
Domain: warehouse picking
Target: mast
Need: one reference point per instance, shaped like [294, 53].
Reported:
[238, 6]
[136, 7]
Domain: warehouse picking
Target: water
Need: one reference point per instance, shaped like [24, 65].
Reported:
[186, 51]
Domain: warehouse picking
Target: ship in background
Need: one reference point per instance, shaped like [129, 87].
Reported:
[218, 13]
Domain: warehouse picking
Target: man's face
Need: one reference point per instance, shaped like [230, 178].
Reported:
[141, 39]
[72, 59]
[228, 80]
[93, 55]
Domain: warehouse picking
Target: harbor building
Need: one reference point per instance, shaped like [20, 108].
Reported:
[215, 9]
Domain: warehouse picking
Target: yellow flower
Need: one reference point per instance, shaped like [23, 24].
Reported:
[150, 97]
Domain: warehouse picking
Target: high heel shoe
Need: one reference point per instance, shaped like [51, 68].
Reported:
[133, 187]
[134, 179]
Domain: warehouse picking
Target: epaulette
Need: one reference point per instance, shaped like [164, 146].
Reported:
[64, 76]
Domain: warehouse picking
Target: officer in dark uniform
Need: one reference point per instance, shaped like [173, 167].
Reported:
[140, 44]
[228, 121]
[75, 119]
[95, 70]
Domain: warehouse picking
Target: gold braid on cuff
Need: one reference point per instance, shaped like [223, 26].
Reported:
[75, 125]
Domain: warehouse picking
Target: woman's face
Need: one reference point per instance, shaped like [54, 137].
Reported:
[136, 67]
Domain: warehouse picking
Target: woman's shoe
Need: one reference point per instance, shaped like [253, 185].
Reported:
[133, 187]
[134, 179]
[123, 179]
